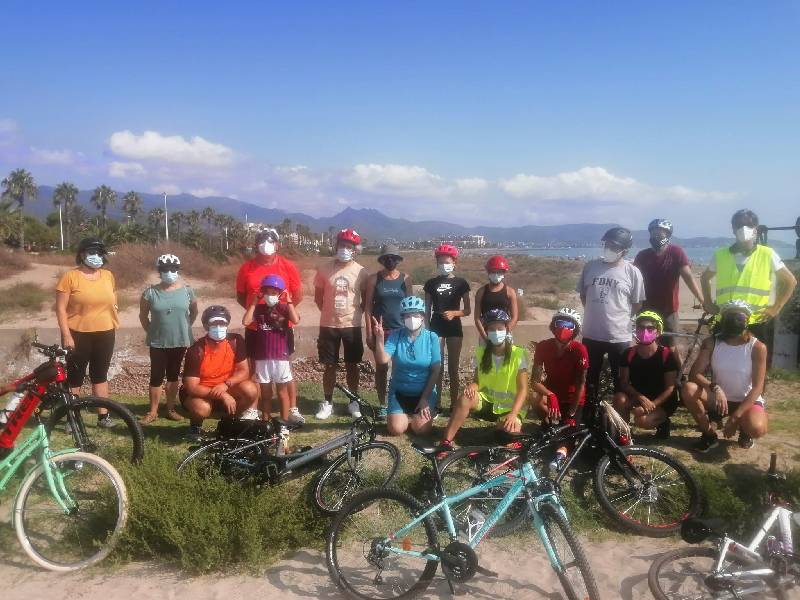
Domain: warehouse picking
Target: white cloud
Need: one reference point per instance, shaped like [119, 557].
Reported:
[205, 192]
[152, 145]
[166, 188]
[125, 169]
[471, 185]
[52, 157]
[393, 179]
[297, 176]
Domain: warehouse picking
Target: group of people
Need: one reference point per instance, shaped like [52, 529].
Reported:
[630, 311]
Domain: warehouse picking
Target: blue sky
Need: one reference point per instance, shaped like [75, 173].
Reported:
[549, 112]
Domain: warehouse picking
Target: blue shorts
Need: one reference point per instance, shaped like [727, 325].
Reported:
[400, 403]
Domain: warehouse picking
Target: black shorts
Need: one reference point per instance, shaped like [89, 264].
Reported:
[165, 362]
[444, 328]
[672, 324]
[331, 338]
[93, 349]
[251, 339]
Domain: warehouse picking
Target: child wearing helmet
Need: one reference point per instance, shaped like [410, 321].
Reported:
[272, 312]
[738, 363]
[500, 386]
[564, 360]
[447, 300]
[416, 362]
[496, 294]
[648, 374]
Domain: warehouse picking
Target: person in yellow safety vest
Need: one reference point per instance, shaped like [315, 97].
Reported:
[744, 272]
[500, 387]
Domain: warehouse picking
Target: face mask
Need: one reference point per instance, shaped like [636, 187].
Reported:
[218, 332]
[745, 234]
[497, 336]
[563, 334]
[658, 243]
[169, 277]
[645, 337]
[446, 268]
[93, 261]
[734, 324]
[413, 322]
[496, 277]
[610, 256]
[344, 254]
[271, 300]
[266, 248]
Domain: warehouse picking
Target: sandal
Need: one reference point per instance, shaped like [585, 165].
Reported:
[148, 418]
[174, 415]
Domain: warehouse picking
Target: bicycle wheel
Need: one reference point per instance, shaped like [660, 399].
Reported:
[468, 467]
[359, 544]
[232, 459]
[684, 574]
[373, 464]
[123, 441]
[573, 569]
[649, 492]
[61, 541]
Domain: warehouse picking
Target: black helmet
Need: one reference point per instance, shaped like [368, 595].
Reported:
[744, 217]
[665, 224]
[268, 234]
[620, 236]
[87, 244]
[215, 312]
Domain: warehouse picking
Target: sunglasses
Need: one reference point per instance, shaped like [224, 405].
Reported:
[565, 324]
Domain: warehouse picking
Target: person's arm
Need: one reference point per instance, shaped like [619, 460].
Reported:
[536, 379]
[382, 357]
[479, 312]
[194, 389]
[241, 372]
[62, 299]
[635, 308]
[241, 298]
[700, 365]
[580, 385]
[512, 303]
[626, 385]
[294, 316]
[241, 287]
[294, 283]
[409, 285]
[428, 309]
[193, 312]
[705, 284]
[510, 421]
[144, 313]
[249, 314]
[369, 298]
[433, 379]
[467, 305]
[362, 288]
[670, 381]
[691, 283]
[786, 282]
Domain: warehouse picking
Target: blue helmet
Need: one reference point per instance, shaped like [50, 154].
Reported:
[411, 304]
[275, 281]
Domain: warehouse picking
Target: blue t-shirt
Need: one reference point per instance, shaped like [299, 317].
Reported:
[412, 361]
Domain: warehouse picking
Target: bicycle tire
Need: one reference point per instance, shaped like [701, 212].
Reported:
[342, 466]
[554, 521]
[456, 479]
[21, 510]
[96, 442]
[207, 455]
[656, 574]
[687, 500]
[358, 509]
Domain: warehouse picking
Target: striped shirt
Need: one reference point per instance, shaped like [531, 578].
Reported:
[272, 324]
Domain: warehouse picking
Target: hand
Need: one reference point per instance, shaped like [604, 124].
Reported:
[449, 315]
[647, 405]
[230, 403]
[720, 401]
[377, 328]
[731, 426]
[471, 392]
[770, 312]
[710, 308]
[67, 341]
[370, 341]
[423, 410]
[218, 391]
[511, 424]
[286, 296]
[553, 408]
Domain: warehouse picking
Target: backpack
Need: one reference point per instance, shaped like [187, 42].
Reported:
[664, 354]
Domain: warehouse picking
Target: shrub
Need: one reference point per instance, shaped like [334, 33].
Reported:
[12, 263]
[23, 297]
[548, 302]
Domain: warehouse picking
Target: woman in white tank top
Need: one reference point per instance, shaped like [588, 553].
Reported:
[738, 363]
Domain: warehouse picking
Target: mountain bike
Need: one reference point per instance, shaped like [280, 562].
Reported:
[643, 489]
[384, 543]
[73, 419]
[247, 451]
[697, 337]
[71, 507]
[765, 568]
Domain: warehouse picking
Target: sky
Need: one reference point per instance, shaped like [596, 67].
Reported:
[473, 112]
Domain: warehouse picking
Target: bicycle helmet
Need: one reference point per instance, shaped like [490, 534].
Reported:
[411, 304]
[620, 236]
[348, 235]
[650, 315]
[497, 263]
[737, 306]
[168, 262]
[87, 245]
[215, 312]
[446, 250]
[275, 281]
[569, 314]
[665, 224]
[494, 315]
[268, 234]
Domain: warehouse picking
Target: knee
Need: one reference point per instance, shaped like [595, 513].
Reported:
[688, 391]
[198, 407]
[396, 428]
[620, 400]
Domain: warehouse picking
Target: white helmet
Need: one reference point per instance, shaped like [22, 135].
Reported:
[568, 313]
[168, 260]
[736, 305]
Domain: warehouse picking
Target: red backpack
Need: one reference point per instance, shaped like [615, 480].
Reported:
[664, 354]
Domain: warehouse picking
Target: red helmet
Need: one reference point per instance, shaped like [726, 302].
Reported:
[497, 263]
[348, 235]
[446, 250]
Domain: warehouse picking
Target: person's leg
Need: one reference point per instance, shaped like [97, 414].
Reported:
[265, 401]
[615, 351]
[623, 405]
[596, 350]
[77, 361]
[99, 363]
[442, 348]
[397, 423]
[539, 403]
[173, 373]
[198, 409]
[381, 377]
[694, 398]
[328, 381]
[246, 395]
[353, 350]
[458, 414]
[282, 390]
[649, 420]
[328, 350]
[754, 422]
[158, 369]
[420, 425]
[453, 360]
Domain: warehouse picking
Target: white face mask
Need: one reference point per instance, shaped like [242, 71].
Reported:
[496, 336]
[266, 248]
[218, 332]
[496, 277]
[271, 300]
[609, 256]
[93, 261]
[446, 268]
[412, 322]
[344, 254]
[169, 277]
[745, 234]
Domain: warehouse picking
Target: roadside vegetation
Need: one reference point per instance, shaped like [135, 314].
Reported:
[23, 297]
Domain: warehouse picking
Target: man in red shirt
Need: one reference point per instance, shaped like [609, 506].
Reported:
[662, 265]
[564, 361]
[267, 261]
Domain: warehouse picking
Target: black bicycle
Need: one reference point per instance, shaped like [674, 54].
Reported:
[643, 489]
[247, 451]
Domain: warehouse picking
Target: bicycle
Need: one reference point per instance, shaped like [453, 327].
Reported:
[70, 423]
[643, 489]
[246, 450]
[384, 543]
[697, 337]
[767, 565]
[71, 506]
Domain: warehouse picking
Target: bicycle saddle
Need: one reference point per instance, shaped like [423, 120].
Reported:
[430, 450]
[290, 426]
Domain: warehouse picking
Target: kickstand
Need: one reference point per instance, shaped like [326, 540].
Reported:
[452, 587]
[486, 572]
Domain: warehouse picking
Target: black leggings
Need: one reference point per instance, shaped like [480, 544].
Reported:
[92, 349]
[165, 361]
[596, 351]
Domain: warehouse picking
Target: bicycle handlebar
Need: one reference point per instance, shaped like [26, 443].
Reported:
[51, 351]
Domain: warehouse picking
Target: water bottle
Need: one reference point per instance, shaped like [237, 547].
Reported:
[786, 532]
[558, 459]
[283, 442]
[11, 406]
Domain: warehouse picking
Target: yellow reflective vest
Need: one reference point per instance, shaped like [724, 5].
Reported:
[752, 284]
[499, 386]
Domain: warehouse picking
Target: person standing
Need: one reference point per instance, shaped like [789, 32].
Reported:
[267, 262]
[339, 292]
[167, 312]
[385, 290]
[663, 265]
[86, 310]
[446, 301]
[496, 295]
[612, 291]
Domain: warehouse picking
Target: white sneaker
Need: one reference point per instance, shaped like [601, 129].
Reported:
[251, 414]
[325, 410]
[295, 418]
[354, 409]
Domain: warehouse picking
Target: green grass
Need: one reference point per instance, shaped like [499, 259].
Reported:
[23, 297]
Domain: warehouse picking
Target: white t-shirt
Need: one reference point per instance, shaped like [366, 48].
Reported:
[610, 290]
[741, 260]
[523, 363]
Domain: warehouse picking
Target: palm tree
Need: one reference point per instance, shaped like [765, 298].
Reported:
[155, 219]
[18, 186]
[131, 205]
[176, 221]
[64, 198]
[101, 199]
[208, 215]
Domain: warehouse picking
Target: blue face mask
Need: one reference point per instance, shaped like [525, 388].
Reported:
[218, 332]
[93, 261]
[169, 277]
[497, 337]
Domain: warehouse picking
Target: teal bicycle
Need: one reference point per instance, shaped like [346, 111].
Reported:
[71, 506]
[384, 543]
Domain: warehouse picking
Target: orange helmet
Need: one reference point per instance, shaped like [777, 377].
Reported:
[446, 250]
[497, 263]
[348, 235]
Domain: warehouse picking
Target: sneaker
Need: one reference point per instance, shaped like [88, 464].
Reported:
[105, 422]
[325, 410]
[354, 409]
[295, 418]
[706, 443]
[381, 414]
[745, 441]
[250, 414]
[663, 430]
[195, 433]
